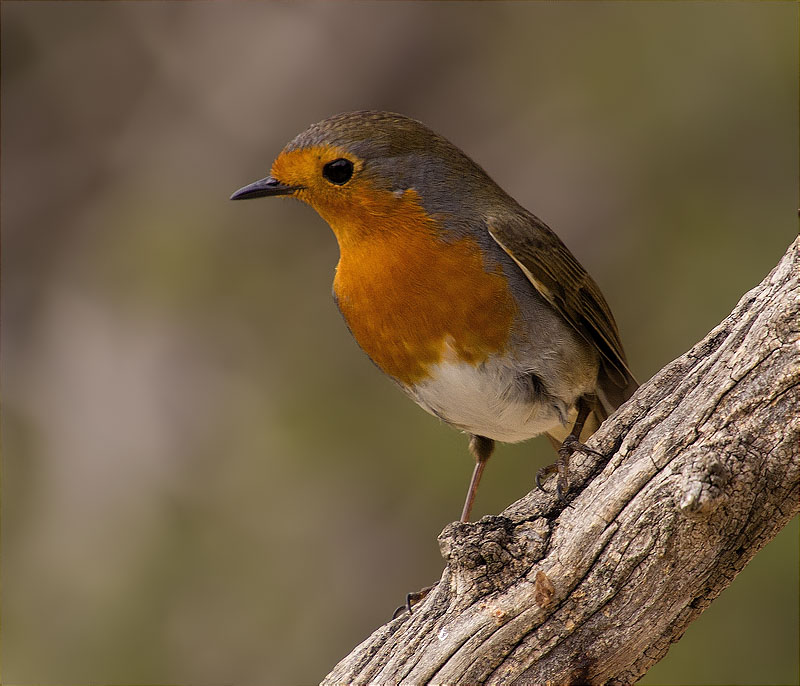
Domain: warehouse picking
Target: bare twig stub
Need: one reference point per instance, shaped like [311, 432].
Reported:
[704, 470]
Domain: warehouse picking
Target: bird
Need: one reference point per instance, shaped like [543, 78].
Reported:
[471, 304]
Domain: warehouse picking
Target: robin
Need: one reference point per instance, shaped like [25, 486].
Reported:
[469, 302]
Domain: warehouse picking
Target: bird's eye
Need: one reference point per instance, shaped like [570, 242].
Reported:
[339, 171]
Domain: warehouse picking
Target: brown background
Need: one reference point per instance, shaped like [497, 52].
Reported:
[204, 480]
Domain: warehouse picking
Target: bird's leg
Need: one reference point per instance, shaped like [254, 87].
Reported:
[482, 448]
[570, 445]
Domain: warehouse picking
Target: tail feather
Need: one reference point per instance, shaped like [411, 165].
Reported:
[610, 394]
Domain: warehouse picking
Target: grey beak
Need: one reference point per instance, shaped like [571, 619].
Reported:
[263, 187]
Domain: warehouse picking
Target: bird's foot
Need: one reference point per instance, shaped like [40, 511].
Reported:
[570, 445]
[412, 599]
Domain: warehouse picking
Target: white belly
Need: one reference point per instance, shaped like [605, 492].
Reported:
[486, 400]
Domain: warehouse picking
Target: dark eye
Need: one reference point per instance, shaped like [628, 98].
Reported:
[339, 171]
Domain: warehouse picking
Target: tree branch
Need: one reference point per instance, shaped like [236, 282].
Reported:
[704, 470]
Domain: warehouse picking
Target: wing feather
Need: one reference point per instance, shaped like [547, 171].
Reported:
[565, 284]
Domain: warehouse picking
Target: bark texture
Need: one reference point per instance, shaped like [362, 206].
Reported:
[704, 470]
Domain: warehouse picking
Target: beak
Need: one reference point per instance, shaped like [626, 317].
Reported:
[264, 187]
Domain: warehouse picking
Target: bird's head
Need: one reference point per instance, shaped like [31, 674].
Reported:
[366, 171]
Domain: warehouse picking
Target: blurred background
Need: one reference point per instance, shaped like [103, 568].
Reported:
[204, 479]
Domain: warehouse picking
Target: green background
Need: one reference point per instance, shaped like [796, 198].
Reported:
[204, 479]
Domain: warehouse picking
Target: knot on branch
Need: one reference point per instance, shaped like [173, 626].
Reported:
[492, 554]
[703, 488]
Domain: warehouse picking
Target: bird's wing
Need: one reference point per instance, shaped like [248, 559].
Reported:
[565, 284]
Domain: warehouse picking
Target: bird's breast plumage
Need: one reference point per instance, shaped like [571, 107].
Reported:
[410, 296]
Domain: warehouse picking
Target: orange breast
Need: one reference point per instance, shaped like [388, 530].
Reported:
[409, 297]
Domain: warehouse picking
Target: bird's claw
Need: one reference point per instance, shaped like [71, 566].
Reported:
[572, 445]
[569, 446]
[412, 599]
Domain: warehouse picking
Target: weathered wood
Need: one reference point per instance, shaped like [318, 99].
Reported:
[704, 470]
